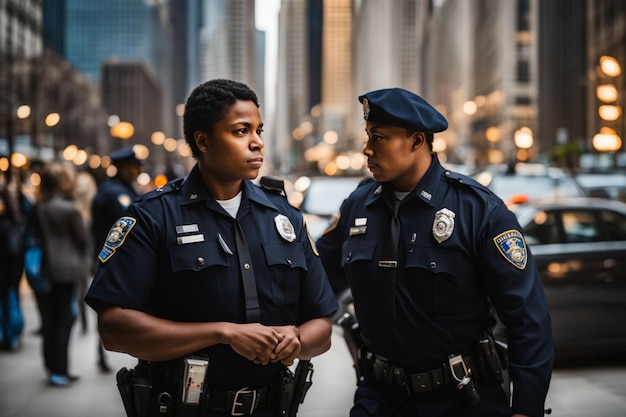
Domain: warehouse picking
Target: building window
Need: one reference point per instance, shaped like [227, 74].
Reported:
[523, 71]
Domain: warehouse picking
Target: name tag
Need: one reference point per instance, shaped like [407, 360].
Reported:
[360, 230]
[183, 240]
[186, 228]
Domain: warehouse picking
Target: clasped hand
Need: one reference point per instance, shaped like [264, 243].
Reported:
[264, 344]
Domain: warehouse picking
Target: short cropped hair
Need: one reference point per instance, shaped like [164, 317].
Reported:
[208, 103]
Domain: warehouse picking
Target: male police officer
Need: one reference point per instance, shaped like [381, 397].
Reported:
[426, 253]
[113, 198]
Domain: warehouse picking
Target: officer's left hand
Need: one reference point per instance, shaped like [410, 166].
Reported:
[287, 349]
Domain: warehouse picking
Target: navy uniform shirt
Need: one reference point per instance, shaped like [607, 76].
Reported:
[459, 246]
[113, 198]
[164, 258]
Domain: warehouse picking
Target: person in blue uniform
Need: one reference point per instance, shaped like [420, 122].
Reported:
[111, 201]
[216, 266]
[115, 194]
[424, 280]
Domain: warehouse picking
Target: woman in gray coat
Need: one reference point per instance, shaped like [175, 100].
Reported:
[63, 235]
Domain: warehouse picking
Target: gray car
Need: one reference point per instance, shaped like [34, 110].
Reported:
[579, 245]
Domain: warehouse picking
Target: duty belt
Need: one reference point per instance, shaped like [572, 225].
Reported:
[418, 382]
[242, 402]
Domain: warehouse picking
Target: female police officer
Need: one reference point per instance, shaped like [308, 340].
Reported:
[423, 280]
[216, 265]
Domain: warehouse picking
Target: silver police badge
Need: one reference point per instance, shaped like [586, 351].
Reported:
[366, 109]
[443, 226]
[285, 228]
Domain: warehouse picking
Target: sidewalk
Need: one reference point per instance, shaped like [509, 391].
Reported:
[24, 391]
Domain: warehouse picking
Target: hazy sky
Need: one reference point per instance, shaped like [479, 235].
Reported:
[266, 15]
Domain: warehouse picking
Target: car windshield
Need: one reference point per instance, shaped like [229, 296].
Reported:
[534, 187]
[325, 195]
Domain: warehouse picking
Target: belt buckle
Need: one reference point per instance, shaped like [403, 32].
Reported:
[236, 404]
[388, 264]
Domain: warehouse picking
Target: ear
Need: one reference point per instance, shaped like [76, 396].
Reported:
[418, 139]
[202, 140]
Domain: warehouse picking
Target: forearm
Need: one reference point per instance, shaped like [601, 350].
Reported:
[315, 337]
[152, 338]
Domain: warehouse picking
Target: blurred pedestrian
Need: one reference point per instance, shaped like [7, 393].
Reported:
[111, 201]
[85, 192]
[63, 235]
[11, 265]
[426, 253]
[214, 274]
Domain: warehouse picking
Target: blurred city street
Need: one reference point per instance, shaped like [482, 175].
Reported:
[597, 391]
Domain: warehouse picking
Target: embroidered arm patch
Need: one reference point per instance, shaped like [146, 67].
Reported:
[512, 246]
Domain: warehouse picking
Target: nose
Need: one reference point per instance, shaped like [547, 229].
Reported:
[367, 150]
[256, 142]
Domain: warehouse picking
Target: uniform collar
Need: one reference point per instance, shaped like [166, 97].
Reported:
[426, 189]
[194, 190]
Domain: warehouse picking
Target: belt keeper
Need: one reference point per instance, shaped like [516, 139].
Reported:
[400, 379]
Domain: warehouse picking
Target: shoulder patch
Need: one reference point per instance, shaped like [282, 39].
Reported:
[512, 247]
[116, 237]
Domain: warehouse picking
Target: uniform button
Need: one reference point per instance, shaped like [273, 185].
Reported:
[289, 261]
[448, 173]
[246, 266]
[433, 265]
[200, 261]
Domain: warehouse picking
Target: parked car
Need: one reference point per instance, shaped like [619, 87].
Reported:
[579, 245]
[528, 181]
[320, 198]
[607, 185]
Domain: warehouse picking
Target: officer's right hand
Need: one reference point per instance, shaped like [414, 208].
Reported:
[253, 341]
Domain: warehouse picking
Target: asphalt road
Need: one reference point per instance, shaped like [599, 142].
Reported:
[596, 389]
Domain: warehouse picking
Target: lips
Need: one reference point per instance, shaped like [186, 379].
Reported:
[256, 161]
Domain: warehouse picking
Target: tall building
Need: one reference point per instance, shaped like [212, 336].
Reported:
[503, 66]
[20, 44]
[562, 83]
[386, 51]
[292, 102]
[606, 79]
[227, 41]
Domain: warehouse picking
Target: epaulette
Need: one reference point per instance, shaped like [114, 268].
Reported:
[273, 184]
[463, 180]
[171, 186]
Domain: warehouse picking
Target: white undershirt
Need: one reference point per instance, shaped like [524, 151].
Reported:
[232, 205]
[400, 195]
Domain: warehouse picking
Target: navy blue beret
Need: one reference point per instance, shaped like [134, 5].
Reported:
[126, 154]
[402, 108]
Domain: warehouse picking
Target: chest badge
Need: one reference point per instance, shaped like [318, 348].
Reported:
[285, 228]
[443, 226]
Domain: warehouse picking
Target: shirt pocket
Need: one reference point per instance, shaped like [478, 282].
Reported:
[197, 257]
[286, 264]
[360, 269]
[440, 279]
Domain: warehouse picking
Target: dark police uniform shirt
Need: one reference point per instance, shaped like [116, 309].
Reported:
[112, 200]
[442, 286]
[164, 258]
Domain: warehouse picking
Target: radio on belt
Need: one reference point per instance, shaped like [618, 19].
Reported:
[195, 371]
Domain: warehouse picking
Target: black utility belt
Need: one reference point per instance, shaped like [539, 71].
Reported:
[418, 382]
